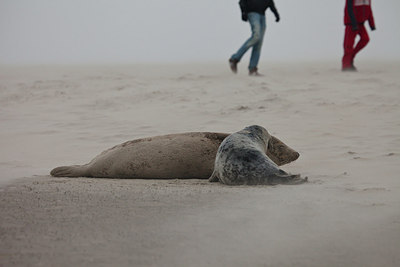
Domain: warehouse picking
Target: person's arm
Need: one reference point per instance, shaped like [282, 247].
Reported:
[371, 21]
[350, 11]
[275, 11]
[243, 8]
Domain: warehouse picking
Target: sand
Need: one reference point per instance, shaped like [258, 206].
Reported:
[345, 125]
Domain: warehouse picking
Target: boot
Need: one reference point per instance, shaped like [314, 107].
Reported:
[254, 72]
[352, 68]
[233, 64]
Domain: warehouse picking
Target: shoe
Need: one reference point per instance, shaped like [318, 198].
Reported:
[254, 72]
[349, 69]
[233, 64]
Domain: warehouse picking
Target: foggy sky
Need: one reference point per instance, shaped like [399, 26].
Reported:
[132, 31]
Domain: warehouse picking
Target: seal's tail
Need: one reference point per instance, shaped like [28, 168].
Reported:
[69, 171]
[285, 178]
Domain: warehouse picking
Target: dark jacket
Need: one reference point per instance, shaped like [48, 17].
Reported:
[258, 6]
[357, 12]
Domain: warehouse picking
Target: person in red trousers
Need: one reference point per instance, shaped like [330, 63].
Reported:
[356, 13]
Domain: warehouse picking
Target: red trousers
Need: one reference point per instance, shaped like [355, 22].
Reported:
[349, 38]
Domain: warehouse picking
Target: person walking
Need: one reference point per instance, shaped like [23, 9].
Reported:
[253, 11]
[356, 12]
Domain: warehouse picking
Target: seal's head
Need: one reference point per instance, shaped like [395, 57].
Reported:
[280, 153]
[277, 151]
[258, 133]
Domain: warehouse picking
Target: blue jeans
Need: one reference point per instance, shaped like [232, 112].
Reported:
[258, 26]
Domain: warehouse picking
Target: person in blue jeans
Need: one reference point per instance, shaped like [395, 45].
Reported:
[253, 11]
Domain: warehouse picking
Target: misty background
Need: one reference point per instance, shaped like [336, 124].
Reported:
[133, 31]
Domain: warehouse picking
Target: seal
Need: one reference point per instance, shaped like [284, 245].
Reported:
[178, 156]
[242, 160]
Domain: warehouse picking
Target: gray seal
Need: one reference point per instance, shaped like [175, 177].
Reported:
[242, 160]
[177, 156]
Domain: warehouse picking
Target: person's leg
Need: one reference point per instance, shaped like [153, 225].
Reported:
[348, 44]
[254, 39]
[256, 51]
[364, 39]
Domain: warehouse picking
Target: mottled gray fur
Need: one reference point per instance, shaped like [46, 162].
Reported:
[241, 159]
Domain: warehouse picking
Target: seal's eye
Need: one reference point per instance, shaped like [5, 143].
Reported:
[270, 146]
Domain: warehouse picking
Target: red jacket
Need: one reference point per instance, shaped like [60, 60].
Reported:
[357, 12]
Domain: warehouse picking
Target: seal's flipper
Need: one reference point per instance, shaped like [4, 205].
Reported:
[213, 178]
[288, 179]
[69, 171]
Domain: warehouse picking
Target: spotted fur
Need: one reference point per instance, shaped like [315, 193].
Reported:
[241, 159]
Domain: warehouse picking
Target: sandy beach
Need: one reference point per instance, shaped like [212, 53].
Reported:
[344, 125]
